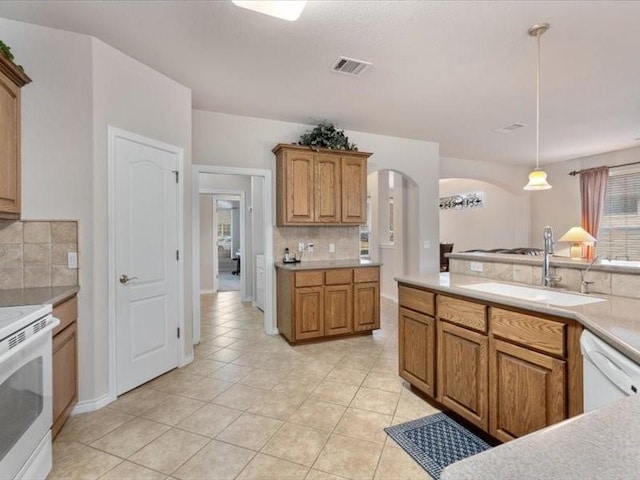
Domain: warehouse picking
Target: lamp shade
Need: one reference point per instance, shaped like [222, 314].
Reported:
[537, 180]
[577, 235]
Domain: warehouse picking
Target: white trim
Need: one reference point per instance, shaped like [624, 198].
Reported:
[187, 360]
[92, 405]
[269, 310]
[393, 298]
[206, 292]
[112, 134]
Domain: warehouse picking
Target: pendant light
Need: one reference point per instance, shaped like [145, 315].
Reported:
[538, 177]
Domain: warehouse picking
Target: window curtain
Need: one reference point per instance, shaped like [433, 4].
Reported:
[593, 188]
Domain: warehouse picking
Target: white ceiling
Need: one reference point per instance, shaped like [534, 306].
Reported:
[450, 72]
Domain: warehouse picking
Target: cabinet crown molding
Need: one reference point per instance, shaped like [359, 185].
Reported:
[329, 151]
[12, 71]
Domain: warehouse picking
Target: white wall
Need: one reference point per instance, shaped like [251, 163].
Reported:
[207, 242]
[560, 206]
[231, 140]
[501, 222]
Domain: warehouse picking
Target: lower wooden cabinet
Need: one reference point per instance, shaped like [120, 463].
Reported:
[65, 363]
[462, 372]
[527, 390]
[314, 304]
[417, 355]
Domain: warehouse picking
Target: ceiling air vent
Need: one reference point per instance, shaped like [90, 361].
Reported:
[350, 66]
[510, 128]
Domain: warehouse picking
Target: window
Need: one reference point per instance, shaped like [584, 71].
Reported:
[619, 236]
[365, 233]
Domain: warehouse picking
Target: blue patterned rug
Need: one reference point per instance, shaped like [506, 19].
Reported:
[436, 441]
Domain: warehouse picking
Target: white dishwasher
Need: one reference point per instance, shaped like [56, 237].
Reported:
[608, 374]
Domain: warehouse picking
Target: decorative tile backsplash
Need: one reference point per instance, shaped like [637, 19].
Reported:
[345, 239]
[34, 254]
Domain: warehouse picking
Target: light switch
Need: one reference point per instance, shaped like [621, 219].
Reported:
[301, 246]
[332, 248]
[72, 260]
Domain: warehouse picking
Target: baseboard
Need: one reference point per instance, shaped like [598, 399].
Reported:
[92, 405]
[206, 292]
[187, 360]
[393, 298]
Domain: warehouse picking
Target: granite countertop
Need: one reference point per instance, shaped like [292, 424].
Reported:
[616, 321]
[536, 260]
[603, 444]
[36, 296]
[326, 264]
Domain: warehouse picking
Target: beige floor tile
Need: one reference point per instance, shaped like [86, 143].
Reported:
[239, 397]
[296, 443]
[332, 392]
[88, 427]
[173, 383]
[220, 342]
[395, 463]
[86, 464]
[131, 471]
[202, 367]
[250, 431]
[62, 448]
[173, 410]
[203, 351]
[205, 389]
[166, 453]
[210, 420]
[384, 365]
[138, 401]
[412, 407]
[225, 355]
[219, 461]
[349, 457]
[296, 383]
[127, 439]
[262, 378]
[364, 425]
[313, 368]
[348, 376]
[384, 381]
[319, 415]
[279, 405]
[376, 400]
[232, 372]
[264, 467]
[360, 362]
[319, 475]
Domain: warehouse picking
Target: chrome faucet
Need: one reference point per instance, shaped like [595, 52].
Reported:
[584, 285]
[547, 277]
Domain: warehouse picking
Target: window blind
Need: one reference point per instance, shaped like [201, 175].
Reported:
[619, 236]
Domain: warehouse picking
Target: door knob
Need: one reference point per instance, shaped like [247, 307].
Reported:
[124, 279]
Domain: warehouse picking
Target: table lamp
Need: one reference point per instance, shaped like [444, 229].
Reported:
[576, 236]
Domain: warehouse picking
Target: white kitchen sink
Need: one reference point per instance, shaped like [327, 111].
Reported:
[550, 297]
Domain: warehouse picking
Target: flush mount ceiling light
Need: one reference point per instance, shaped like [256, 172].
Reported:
[537, 177]
[285, 9]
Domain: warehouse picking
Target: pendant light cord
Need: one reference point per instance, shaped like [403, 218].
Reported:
[538, 104]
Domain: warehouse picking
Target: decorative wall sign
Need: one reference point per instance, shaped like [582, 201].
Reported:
[465, 200]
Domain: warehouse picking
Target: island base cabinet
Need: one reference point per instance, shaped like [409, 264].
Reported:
[366, 308]
[527, 390]
[462, 373]
[417, 335]
[309, 312]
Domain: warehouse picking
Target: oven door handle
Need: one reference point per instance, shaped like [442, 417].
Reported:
[33, 338]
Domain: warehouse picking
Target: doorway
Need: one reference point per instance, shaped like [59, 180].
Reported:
[256, 236]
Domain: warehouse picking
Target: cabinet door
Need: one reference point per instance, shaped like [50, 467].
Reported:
[300, 187]
[366, 306]
[527, 390]
[65, 376]
[462, 372]
[309, 321]
[417, 335]
[354, 190]
[9, 149]
[327, 189]
[338, 309]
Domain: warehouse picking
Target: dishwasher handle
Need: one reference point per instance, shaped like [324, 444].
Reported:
[613, 372]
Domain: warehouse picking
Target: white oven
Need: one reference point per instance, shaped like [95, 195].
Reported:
[25, 392]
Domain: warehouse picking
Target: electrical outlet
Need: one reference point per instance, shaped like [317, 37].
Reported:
[310, 248]
[301, 247]
[72, 260]
[332, 248]
[476, 267]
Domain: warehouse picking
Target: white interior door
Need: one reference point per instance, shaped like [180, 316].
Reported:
[146, 260]
[215, 256]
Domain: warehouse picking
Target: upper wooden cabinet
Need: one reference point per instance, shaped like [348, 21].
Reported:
[11, 80]
[326, 187]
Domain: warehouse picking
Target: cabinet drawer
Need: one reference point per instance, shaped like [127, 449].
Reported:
[67, 312]
[338, 277]
[466, 314]
[365, 275]
[309, 279]
[533, 332]
[415, 299]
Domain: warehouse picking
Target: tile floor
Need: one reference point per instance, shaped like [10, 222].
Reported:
[252, 407]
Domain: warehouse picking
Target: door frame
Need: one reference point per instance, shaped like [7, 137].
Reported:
[114, 133]
[234, 195]
[269, 317]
